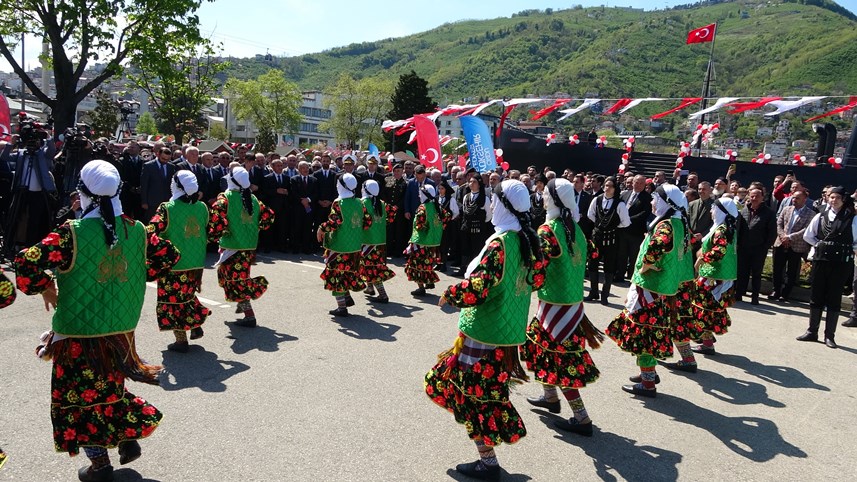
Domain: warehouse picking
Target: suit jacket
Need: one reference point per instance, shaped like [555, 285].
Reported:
[795, 233]
[211, 184]
[584, 199]
[377, 177]
[412, 195]
[638, 211]
[326, 186]
[300, 190]
[273, 199]
[699, 212]
[154, 187]
[42, 165]
[759, 231]
[130, 172]
[198, 171]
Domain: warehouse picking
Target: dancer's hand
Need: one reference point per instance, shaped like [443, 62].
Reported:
[319, 235]
[441, 301]
[50, 297]
[647, 267]
[697, 264]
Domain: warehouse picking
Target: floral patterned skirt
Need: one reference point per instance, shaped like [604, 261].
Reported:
[2, 458]
[645, 331]
[686, 326]
[178, 307]
[419, 267]
[342, 272]
[374, 267]
[478, 398]
[88, 409]
[233, 275]
[564, 364]
[710, 311]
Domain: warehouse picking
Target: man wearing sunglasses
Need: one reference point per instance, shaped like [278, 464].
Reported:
[155, 182]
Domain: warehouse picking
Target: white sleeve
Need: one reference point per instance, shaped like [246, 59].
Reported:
[624, 217]
[453, 206]
[488, 211]
[591, 213]
[811, 233]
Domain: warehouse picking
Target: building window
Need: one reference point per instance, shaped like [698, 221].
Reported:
[315, 112]
[240, 128]
[309, 127]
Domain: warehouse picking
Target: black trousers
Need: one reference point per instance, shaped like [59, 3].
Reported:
[398, 233]
[29, 219]
[629, 249]
[786, 270]
[277, 236]
[471, 245]
[302, 235]
[449, 241]
[751, 260]
[827, 285]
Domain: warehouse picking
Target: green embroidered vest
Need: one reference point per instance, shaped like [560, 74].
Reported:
[727, 268]
[102, 291]
[348, 238]
[243, 228]
[564, 275]
[671, 271]
[377, 233]
[434, 233]
[187, 229]
[502, 319]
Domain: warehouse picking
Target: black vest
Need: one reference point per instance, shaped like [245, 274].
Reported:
[835, 238]
[606, 221]
[473, 213]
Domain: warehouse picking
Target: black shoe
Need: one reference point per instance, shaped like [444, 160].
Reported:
[349, 301]
[784, 299]
[196, 333]
[378, 299]
[679, 366]
[104, 474]
[553, 407]
[754, 300]
[773, 297]
[247, 322]
[369, 291]
[637, 389]
[704, 350]
[739, 299]
[178, 347]
[419, 292]
[129, 452]
[573, 426]
[238, 310]
[479, 471]
[639, 379]
[339, 312]
[593, 297]
[830, 343]
[604, 301]
[849, 323]
[808, 336]
[440, 268]
[430, 286]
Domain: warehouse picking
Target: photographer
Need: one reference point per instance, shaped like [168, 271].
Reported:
[33, 189]
[76, 151]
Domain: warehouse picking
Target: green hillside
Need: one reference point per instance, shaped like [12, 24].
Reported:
[762, 48]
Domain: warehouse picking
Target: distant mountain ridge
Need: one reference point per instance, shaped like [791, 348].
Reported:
[762, 48]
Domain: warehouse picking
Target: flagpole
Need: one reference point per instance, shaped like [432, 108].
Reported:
[706, 86]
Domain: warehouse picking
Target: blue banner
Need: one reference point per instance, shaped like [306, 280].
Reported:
[373, 150]
[478, 138]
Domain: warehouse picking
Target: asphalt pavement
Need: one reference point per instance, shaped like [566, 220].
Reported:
[308, 397]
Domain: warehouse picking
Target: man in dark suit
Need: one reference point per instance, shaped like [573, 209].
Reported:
[275, 192]
[412, 192]
[699, 214]
[191, 163]
[584, 199]
[639, 204]
[326, 187]
[303, 193]
[210, 174]
[397, 232]
[374, 173]
[790, 249]
[756, 234]
[132, 167]
[155, 182]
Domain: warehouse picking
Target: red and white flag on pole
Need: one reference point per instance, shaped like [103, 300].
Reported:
[5, 119]
[428, 142]
[702, 34]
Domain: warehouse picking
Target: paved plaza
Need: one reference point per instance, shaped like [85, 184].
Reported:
[308, 397]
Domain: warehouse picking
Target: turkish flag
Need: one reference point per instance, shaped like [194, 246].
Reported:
[5, 119]
[702, 34]
[428, 142]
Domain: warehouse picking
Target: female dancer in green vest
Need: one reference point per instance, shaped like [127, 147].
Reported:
[7, 297]
[373, 269]
[555, 350]
[644, 326]
[472, 379]
[718, 270]
[184, 222]
[101, 263]
[236, 219]
[342, 238]
[423, 250]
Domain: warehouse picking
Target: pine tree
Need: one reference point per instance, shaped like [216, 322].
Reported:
[105, 116]
[410, 97]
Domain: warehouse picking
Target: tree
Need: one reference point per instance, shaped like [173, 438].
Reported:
[271, 102]
[358, 108]
[218, 131]
[105, 116]
[83, 31]
[410, 97]
[146, 124]
[179, 90]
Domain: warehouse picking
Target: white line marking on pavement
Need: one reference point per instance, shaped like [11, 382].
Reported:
[304, 265]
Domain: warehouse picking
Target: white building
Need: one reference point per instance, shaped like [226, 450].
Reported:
[313, 114]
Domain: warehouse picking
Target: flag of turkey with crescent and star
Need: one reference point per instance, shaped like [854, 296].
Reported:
[702, 34]
[428, 142]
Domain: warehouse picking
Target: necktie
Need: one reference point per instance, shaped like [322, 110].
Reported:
[165, 170]
[279, 181]
[632, 198]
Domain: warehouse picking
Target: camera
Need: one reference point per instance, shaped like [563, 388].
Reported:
[30, 129]
[78, 135]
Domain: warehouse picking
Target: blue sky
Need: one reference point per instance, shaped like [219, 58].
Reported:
[292, 27]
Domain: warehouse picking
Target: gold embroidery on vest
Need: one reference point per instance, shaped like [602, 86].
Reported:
[113, 266]
[192, 229]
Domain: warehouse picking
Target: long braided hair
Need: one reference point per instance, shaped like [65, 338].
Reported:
[530, 246]
[564, 215]
[108, 217]
[729, 222]
[673, 208]
[376, 201]
[246, 195]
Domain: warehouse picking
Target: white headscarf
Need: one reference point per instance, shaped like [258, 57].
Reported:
[674, 194]
[345, 186]
[370, 189]
[101, 179]
[188, 182]
[239, 179]
[565, 191]
[718, 214]
[519, 196]
[427, 188]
